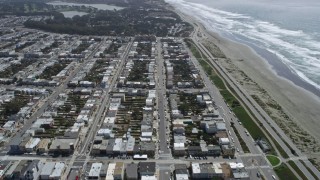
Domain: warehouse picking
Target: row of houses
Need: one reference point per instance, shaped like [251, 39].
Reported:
[219, 170]
[119, 171]
[209, 122]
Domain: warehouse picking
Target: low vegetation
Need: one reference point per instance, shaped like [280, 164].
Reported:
[255, 131]
[310, 171]
[295, 167]
[274, 160]
[284, 173]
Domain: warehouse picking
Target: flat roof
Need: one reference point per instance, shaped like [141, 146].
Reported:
[110, 170]
[58, 169]
[95, 170]
[195, 168]
[47, 168]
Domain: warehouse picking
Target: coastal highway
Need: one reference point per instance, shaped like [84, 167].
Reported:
[258, 112]
[164, 151]
[255, 160]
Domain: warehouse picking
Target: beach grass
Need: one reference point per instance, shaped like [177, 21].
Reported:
[284, 173]
[295, 167]
[239, 111]
[274, 160]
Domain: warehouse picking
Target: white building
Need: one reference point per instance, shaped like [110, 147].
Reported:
[57, 171]
[110, 171]
[47, 170]
[95, 171]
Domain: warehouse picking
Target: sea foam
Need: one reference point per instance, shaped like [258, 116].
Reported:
[295, 48]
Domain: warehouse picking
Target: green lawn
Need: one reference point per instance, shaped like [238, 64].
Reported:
[295, 167]
[273, 160]
[310, 171]
[284, 173]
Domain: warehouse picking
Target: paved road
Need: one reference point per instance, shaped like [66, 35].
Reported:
[162, 105]
[224, 111]
[47, 102]
[254, 107]
[258, 112]
[98, 118]
[74, 156]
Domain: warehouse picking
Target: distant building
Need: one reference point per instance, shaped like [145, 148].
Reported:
[62, 146]
[95, 171]
[147, 168]
[264, 145]
[181, 172]
[26, 169]
[132, 172]
[206, 171]
[239, 171]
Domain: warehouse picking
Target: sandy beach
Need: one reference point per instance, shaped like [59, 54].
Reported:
[300, 114]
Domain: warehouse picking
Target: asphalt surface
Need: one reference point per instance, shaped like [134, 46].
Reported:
[99, 115]
[261, 115]
[162, 105]
[48, 101]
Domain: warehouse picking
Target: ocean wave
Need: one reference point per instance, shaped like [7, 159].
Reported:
[295, 48]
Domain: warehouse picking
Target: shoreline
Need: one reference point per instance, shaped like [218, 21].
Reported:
[279, 67]
[300, 105]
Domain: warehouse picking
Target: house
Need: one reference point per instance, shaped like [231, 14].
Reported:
[62, 146]
[264, 145]
[110, 171]
[206, 170]
[130, 145]
[147, 168]
[57, 171]
[210, 127]
[27, 169]
[32, 144]
[227, 150]
[224, 141]
[194, 150]
[118, 171]
[239, 171]
[95, 171]
[179, 149]
[132, 171]
[214, 150]
[9, 126]
[147, 148]
[47, 170]
[181, 172]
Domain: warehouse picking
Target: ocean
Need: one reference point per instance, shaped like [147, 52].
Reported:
[286, 30]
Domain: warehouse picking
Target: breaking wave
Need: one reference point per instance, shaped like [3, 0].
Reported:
[298, 50]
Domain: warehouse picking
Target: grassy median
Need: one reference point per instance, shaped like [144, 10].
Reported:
[239, 111]
[310, 171]
[284, 173]
[295, 167]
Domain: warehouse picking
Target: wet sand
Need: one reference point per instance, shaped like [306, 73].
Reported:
[301, 105]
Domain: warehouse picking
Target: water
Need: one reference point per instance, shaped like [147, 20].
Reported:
[290, 30]
[71, 14]
[98, 6]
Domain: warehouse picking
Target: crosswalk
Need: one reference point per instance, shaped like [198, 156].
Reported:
[165, 156]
